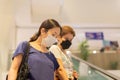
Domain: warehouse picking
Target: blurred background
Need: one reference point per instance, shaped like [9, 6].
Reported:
[96, 23]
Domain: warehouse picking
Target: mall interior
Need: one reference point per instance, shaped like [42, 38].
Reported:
[96, 24]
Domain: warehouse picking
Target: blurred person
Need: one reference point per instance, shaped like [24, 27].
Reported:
[102, 50]
[41, 61]
[65, 71]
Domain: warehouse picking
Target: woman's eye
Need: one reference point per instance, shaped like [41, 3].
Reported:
[54, 35]
[66, 39]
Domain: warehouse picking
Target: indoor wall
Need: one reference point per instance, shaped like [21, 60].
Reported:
[24, 16]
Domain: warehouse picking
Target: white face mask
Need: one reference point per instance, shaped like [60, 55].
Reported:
[49, 41]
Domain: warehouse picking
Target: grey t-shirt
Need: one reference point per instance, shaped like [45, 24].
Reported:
[42, 65]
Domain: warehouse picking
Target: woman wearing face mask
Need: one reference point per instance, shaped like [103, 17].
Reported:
[41, 62]
[65, 71]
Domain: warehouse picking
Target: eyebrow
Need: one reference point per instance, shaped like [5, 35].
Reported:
[56, 33]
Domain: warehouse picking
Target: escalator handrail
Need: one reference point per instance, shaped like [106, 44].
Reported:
[97, 68]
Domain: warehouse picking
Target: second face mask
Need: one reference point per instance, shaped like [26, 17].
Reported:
[66, 44]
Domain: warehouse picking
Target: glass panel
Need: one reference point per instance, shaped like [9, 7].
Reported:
[87, 73]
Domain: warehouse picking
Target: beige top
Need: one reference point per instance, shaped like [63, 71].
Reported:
[67, 64]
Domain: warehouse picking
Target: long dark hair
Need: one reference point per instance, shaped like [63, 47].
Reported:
[47, 24]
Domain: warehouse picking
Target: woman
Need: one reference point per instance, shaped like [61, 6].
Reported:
[65, 71]
[41, 62]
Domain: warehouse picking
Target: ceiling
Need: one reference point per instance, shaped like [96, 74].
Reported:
[85, 12]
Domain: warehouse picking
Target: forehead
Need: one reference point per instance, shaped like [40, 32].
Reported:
[55, 31]
[68, 36]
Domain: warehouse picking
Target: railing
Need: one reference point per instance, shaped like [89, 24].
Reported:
[89, 71]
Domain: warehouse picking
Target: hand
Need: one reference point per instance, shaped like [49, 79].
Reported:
[75, 74]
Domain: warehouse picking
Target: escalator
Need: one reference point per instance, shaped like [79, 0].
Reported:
[88, 71]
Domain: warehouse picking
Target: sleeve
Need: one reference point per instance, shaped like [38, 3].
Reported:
[55, 51]
[56, 65]
[20, 49]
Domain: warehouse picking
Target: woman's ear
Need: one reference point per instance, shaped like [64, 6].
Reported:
[59, 38]
[43, 31]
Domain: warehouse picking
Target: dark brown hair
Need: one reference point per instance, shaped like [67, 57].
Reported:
[66, 30]
[47, 24]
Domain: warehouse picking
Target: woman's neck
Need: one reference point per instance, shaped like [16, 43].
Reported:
[38, 41]
[37, 45]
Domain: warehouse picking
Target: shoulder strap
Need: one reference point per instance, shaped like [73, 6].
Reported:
[26, 54]
[27, 49]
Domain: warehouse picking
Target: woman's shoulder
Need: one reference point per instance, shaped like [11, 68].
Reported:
[54, 46]
[56, 51]
[22, 43]
[21, 48]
